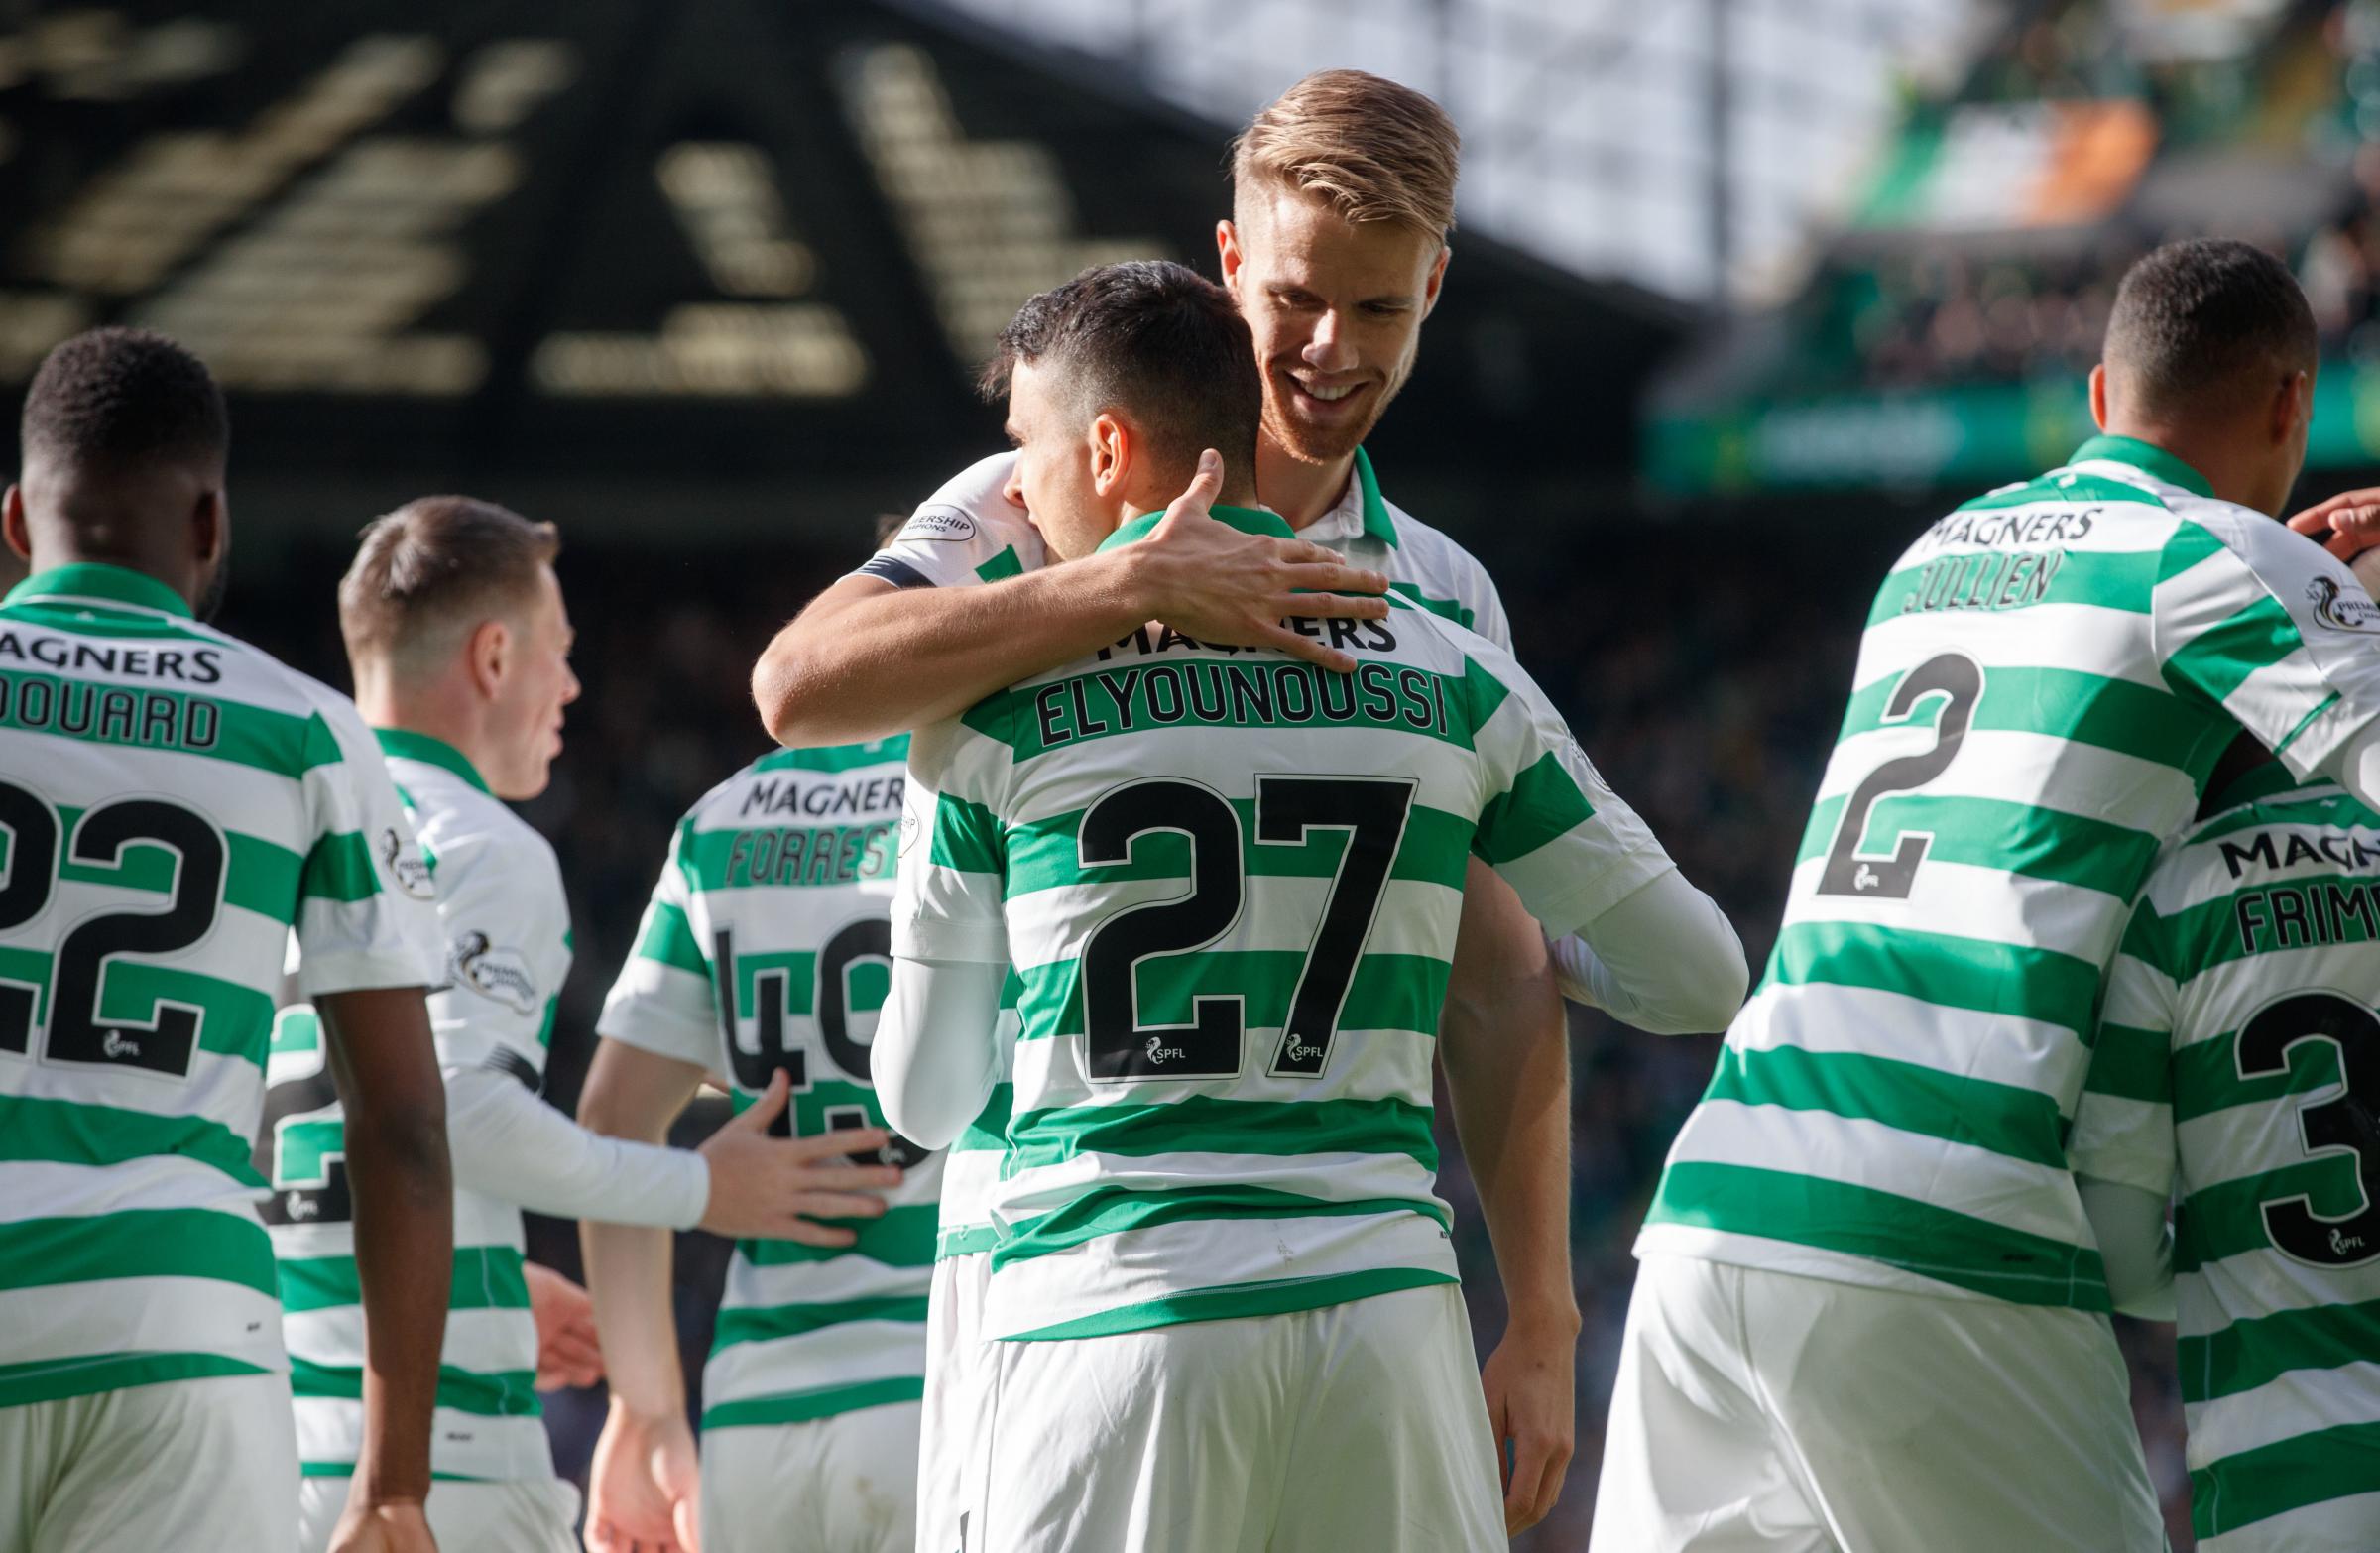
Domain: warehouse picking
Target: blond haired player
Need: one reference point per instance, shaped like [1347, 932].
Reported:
[1343, 195]
[459, 641]
[176, 804]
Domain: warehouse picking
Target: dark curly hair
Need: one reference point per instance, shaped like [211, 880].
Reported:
[113, 400]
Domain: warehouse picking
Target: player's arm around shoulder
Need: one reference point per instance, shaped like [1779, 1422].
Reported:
[913, 637]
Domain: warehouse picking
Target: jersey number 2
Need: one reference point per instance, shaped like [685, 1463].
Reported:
[1958, 680]
[1118, 1045]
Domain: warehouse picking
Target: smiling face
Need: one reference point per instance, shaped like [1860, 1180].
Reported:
[1336, 307]
[529, 691]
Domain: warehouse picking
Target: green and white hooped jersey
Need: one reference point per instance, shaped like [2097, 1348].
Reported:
[2046, 681]
[766, 946]
[968, 531]
[2237, 1071]
[1228, 884]
[506, 925]
[174, 804]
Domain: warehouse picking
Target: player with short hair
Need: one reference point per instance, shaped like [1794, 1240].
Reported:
[459, 641]
[1335, 252]
[1871, 1310]
[2233, 1077]
[176, 803]
[1222, 1302]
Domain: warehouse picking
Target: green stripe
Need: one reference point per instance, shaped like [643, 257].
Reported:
[2068, 703]
[486, 1277]
[990, 1129]
[1232, 1301]
[1908, 1097]
[2207, 1076]
[1542, 805]
[1002, 566]
[2220, 659]
[1941, 969]
[2226, 1219]
[232, 731]
[965, 836]
[759, 1323]
[2129, 1063]
[2062, 486]
[1209, 1123]
[1101, 1211]
[2260, 1349]
[837, 757]
[339, 868]
[348, 1470]
[966, 1241]
[258, 875]
[66, 1131]
[1974, 580]
[1389, 991]
[792, 855]
[1044, 854]
[2197, 938]
[1445, 609]
[501, 1393]
[668, 937]
[792, 1407]
[85, 1375]
[1270, 693]
[2018, 838]
[902, 1238]
[137, 1243]
[1901, 1231]
[234, 1021]
[2252, 1485]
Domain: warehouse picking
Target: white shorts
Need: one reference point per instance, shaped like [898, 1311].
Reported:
[1357, 1426]
[845, 1484]
[1766, 1413]
[181, 1464]
[953, 1418]
[522, 1516]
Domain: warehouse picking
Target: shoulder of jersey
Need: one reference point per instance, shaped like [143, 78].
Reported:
[974, 498]
[459, 823]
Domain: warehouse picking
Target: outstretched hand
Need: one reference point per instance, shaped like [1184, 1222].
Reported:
[778, 1188]
[2346, 525]
[1216, 584]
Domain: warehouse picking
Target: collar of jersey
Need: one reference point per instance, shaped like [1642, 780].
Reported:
[406, 745]
[101, 583]
[2256, 785]
[1375, 512]
[2146, 457]
[1247, 519]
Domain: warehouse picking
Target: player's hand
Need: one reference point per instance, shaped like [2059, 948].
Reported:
[642, 1490]
[778, 1188]
[2346, 525]
[1533, 1405]
[1208, 580]
[399, 1527]
[568, 1351]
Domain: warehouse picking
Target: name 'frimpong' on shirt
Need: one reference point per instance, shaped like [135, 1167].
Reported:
[1229, 886]
[2046, 681]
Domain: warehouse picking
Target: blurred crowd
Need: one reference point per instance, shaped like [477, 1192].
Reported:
[1714, 717]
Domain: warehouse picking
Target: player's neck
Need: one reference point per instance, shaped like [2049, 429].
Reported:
[1299, 490]
[439, 710]
[2234, 473]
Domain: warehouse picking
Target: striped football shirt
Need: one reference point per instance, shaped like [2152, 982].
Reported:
[767, 946]
[1228, 884]
[968, 531]
[505, 924]
[2046, 680]
[174, 804]
[2235, 1072]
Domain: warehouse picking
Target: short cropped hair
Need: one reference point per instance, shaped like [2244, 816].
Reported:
[2204, 323]
[1375, 150]
[433, 570]
[1153, 339]
[114, 400]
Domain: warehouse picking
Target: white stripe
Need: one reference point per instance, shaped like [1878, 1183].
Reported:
[226, 1089]
[2036, 768]
[2347, 1525]
[1969, 901]
[469, 1445]
[1050, 1073]
[2261, 1282]
[42, 1189]
[970, 1183]
[2088, 638]
[1332, 1177]
[2242, 1140]
[846, 1355]
[1413, 918]
[1999, 1048]
[751, 1287]
[2298, 1402]
[2128, 1141]
[1960, 1177]
[486, 1342]
[235, 796]
[166, 1315]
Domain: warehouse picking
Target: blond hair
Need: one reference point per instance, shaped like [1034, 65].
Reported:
[433, 570]
[1375, 150]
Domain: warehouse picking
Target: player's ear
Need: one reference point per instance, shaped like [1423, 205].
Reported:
[1430, 287]
[1111, 453]
[2098, 396]
[1227, 252]
[210, 525]
[488, 655]
[2292, 407]
[13, 529]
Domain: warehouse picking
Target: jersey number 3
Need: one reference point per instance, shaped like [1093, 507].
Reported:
[2345, 1120]
[1118, 1044]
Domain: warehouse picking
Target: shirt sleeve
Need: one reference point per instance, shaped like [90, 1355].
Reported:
[1548, 822]
[947, 904]
[966, 533]
[1476, 591]
[1664, 959]
[365, 911]
[2123, 1127]
[512, 1145]
[506, 923]
[937, 1052]
[2271, 628]
[664, 1001]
